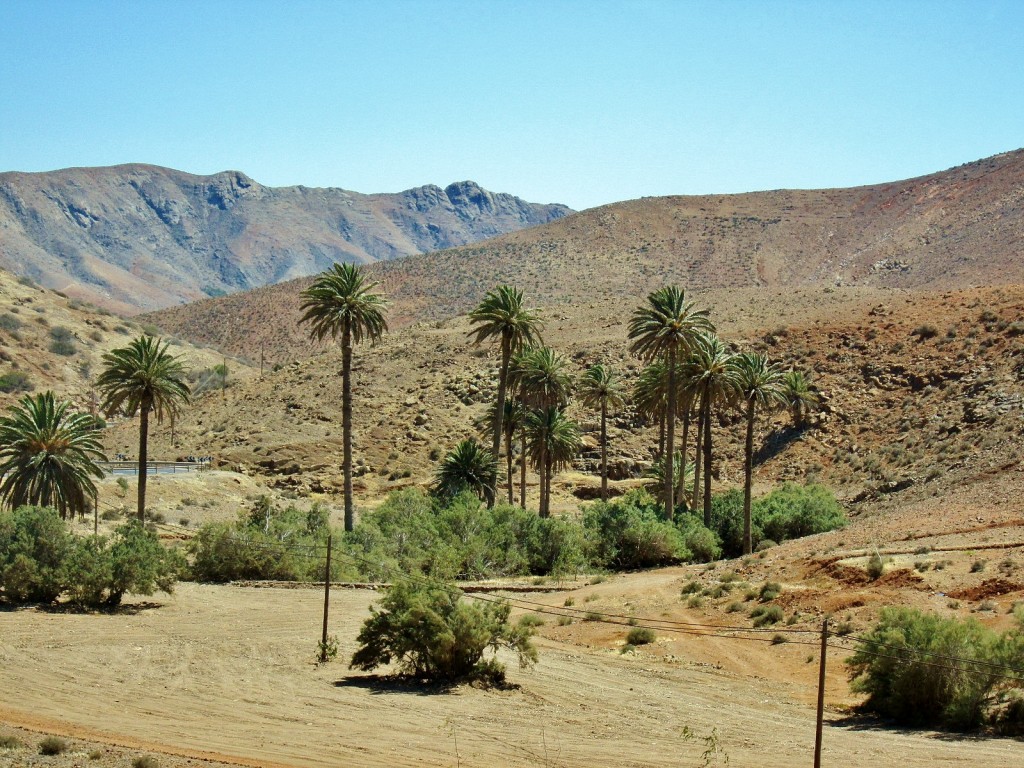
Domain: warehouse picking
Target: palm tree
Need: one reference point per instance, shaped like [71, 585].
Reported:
[502, 316]
[666, 328]
[554, 441]
[650, 396]
[599, 388]
[713, 380]
[511, 422]
[759, 385]
[683, 478]
[540, 377]
[339, 303]
[145, 378]
[48, 456]
[799, 396]
[468, 466]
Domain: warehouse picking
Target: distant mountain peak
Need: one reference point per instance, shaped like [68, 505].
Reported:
[139, 237]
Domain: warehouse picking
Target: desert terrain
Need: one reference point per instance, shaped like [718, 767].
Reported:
[919, 366]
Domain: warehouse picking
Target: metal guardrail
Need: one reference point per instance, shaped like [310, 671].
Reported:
[128, 467]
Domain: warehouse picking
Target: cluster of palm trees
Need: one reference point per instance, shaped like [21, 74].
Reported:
[691, 375]
[534, 389]
[49, 454]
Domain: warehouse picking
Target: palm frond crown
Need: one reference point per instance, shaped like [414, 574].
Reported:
[667, 323]
[600, 385]
[341, 299]
[143, 375]
[48, 455]
[541, 377]
[501, 315]
[468, 466]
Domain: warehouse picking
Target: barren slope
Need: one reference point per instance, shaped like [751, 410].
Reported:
[33, 319]
[955, 229]
[903, 418]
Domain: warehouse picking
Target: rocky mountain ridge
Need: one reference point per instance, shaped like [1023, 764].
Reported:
[951, 230]
[141, 237]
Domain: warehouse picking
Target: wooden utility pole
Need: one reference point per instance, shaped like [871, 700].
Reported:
[821, 693]
[327, 602]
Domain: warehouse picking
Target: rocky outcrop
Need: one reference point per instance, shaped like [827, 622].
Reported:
[141, 237]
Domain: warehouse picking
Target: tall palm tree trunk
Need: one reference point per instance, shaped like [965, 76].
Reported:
[143, 458]
[604, 450]
[522, 468]
[547, 485]
[499, 413]
[707, 463]
[508, 467]
[541, 466]
[346, 423]
[698, 456]
[681, 490]
[661, 435]
[670, 436]
[748, 471]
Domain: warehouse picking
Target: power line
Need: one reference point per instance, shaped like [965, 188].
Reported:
[926, 663]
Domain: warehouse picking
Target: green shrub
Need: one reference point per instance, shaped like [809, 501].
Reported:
[65, 348]
[907, 685]
[101, 570]
[40, 560]
[629, 533]
[52, 745]
[788, 512]
[875, 566]
[35, 546]
[640, 636]
[9, 323]
[145, 761]
[793, 511]
[531, 620]
[432, 634]
[703, 543]
[764, 615]
[265, 543]
[10, 742]
[769, 591]
[15, 381]
[690, 587]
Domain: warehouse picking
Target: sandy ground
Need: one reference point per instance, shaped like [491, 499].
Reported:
[226, 673]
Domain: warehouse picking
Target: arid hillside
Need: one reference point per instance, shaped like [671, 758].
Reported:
[921, 392]
[141, 237]
[51, 341]
[955, 229]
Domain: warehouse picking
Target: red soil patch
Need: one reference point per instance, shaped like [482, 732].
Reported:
[987, 588]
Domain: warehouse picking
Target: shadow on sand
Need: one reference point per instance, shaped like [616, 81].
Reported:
[859, 722]
[400, 684]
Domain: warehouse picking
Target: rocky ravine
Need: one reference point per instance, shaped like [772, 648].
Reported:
[140, 237]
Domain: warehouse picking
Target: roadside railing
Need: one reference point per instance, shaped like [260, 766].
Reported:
[128, 467]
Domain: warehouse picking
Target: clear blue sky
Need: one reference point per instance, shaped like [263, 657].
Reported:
[577, 102]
